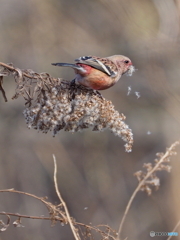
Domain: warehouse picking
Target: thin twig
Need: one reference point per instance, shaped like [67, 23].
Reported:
[25, 216]
[42, 199]
[55, 217]
[62, 201]
[28, 194]
[2, 89]
[97, 229]
[177, 225]
[60, 219]
[14, 69]
[166, 154]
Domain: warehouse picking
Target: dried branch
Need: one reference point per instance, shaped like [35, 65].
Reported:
[2, 89]
[56, 104]
[143, 178]
[26, 216]
[55, 212]
[73, 229]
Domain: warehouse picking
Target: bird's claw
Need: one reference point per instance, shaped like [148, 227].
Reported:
[98, 93]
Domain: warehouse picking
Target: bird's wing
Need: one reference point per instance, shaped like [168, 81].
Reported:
[103, 64]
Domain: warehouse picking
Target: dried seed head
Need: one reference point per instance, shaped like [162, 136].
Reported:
[74, 109]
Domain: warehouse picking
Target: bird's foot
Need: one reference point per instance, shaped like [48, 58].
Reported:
[73, 83]
[98, 93]
[72, 89]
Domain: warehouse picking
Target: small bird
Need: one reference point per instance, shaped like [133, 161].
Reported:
[99, 73]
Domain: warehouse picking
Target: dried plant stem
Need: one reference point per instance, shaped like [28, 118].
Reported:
[57, 215]
[16, 69]
[42, 199]
[24, 193]
[165, 155]
[49, 218]
[2, 90]
[62, 201]
[177, 225]
[25, 216]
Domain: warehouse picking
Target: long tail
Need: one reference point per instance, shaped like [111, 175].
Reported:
[67, 65]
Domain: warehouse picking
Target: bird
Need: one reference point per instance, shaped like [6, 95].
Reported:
[99, 73]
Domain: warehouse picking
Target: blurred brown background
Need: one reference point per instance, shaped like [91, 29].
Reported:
[95, 174]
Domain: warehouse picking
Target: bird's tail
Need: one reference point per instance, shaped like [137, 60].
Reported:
[74, 66]
[66, 65]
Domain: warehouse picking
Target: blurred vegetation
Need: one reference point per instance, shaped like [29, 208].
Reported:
[95, 174]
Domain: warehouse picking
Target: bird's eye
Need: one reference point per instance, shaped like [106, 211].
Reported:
[126, 61]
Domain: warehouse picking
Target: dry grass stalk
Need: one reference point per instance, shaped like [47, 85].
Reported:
[73, 229]
[148, 178]
[55, 104]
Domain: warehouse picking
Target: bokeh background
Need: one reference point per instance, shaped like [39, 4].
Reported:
[95, 175]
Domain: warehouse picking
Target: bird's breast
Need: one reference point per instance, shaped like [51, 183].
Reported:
[96, 80]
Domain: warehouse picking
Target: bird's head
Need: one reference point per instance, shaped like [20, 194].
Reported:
[123, 63]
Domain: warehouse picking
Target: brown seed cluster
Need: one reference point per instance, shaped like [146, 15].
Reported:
[74, 108]
[56, 104]
[148, 178]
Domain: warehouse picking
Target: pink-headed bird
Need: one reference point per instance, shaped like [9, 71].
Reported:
[99, 73]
